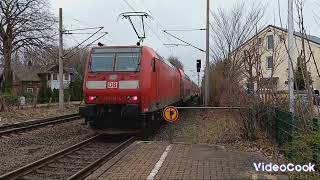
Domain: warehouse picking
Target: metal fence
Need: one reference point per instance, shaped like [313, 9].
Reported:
[293, 139]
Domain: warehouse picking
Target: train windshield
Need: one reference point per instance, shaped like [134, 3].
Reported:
[102, 62]
[118, 60]
[127, 62]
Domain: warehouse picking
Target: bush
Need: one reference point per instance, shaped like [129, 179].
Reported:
[44, 94]
[29, 97]
[10, 99]
[75, 90]
[304, 148]
[55, 95]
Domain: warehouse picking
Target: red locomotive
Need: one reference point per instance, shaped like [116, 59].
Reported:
[131, 82]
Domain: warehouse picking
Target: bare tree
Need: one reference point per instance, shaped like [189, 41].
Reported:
[23, 24]
[175, 62]
[40, 56]
[78, 61]
[303, 60]
[231, 29]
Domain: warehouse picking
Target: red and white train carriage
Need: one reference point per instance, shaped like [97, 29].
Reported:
[126, 83]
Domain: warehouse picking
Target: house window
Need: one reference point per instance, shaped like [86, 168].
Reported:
[269, 62]
[259, 41]
[54, 76]
[270, 42]
[29, 90]
[66, 77]
[281, 37]
[49, 77]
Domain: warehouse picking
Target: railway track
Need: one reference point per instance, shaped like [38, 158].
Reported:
[28, 125]
[75, 162]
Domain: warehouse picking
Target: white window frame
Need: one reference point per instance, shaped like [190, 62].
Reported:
[29, 89]
[268, 42]
[66, 75]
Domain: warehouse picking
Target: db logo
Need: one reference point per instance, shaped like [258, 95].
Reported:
[112, 85]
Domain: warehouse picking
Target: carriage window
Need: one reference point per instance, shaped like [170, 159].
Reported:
[127, 62]
[102, 62]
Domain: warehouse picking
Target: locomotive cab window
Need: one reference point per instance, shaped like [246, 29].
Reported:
[115, 60]
[127, 62]
[102, 62]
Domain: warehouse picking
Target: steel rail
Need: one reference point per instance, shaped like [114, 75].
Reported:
[95, 165]
[17, 127]
[32, 166]
[25, 170]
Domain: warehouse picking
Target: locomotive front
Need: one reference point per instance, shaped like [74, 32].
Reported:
[112, 85]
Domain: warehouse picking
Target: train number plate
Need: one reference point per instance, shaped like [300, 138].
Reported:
[112, 85]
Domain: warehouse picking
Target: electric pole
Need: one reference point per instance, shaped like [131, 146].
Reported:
[198, 79]
[61, 86]
[206, 89]
[290, 55]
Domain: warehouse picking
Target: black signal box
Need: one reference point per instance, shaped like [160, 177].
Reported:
[198, 65]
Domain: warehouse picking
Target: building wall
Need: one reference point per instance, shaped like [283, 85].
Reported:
[280, 57]
[21, 87]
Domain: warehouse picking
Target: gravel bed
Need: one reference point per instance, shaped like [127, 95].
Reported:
[18, 150]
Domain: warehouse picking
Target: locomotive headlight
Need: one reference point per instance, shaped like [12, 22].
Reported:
[132, 98]
[92, 98]
[135, 98]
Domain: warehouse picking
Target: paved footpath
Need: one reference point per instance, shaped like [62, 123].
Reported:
[161, 160]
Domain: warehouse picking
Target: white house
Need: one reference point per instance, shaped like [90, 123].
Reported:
[53, 77]
[271, 45]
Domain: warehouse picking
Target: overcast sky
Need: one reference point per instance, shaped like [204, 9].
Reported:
[167, 14]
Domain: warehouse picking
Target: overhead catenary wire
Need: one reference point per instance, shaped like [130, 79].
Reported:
[84, 41]
[158, 23]
[175, 44]
[87, 45]
[200, 29]
[82, 33]
[184, 41]
[82, 29]
[153, 32]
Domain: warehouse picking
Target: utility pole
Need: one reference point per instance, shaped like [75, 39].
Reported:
[206, 89]
[198, 79]
[61, 86]
[290, 55]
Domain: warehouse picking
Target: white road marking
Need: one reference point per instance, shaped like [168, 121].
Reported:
[158, 165]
